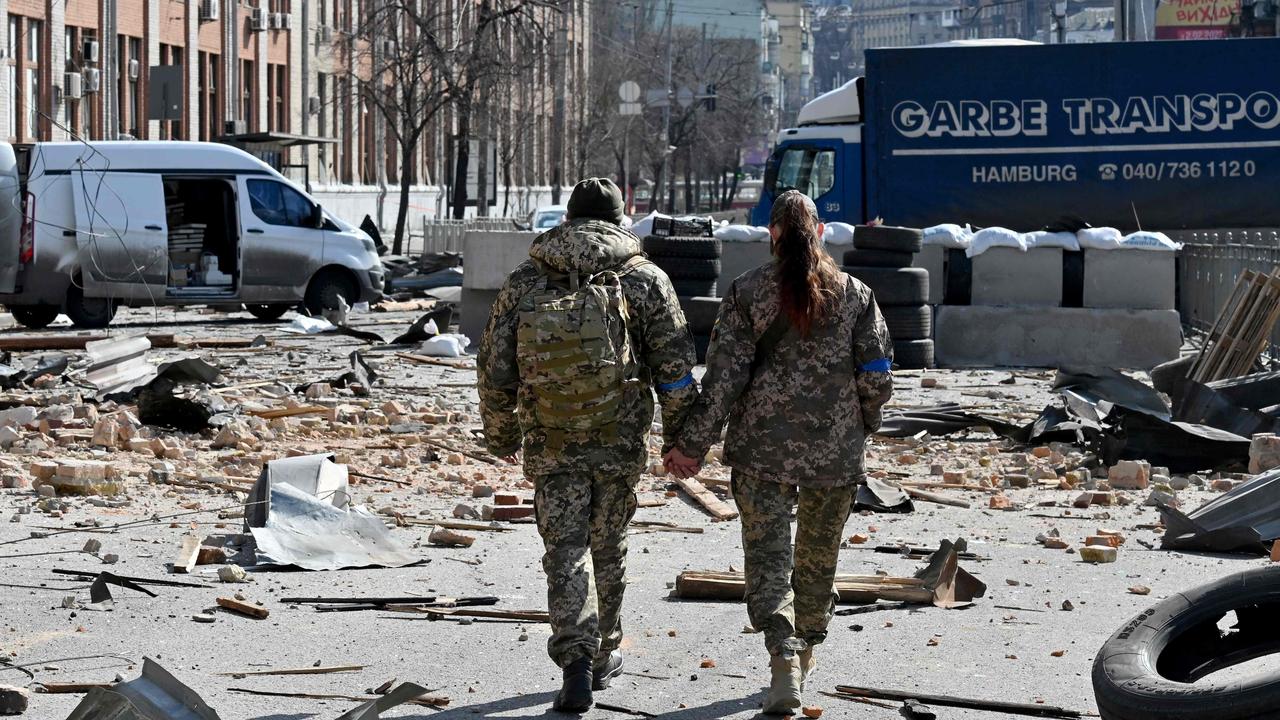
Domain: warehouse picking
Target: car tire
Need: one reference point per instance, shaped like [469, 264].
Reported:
[689, 268]
[1155, 666]
[913, 354]
[884, 237]
[895, 286]
[878, 258]
[681, 247]
[700, 345]
[88, 313]
[700, 313]
[694, 288]
[35, 317]
[908, 322]
[268, 312]
[326, 287]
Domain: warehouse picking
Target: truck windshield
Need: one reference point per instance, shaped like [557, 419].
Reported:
[807, 169]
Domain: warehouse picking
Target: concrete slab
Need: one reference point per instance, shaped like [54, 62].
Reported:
[985, 336]
[475, 312]
[489, 256]
[739, 257]
[1135, 279]
[933, 258]
[1008, 276]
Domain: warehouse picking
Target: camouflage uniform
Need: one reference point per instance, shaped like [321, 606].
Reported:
[585, 483]
[798, 420]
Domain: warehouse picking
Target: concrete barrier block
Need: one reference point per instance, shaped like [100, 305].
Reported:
[1134, 279]
[489, 256]
[1008, 276]
[985, 336]
[739, 257]
[933, 258]
[475, 313]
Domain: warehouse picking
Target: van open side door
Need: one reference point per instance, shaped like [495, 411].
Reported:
[10, 218]
[122, 233]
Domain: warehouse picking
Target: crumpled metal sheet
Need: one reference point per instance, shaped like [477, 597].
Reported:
[373, 709]
[307, 520]
[156, 695]
[879, 496]
[1240, 520]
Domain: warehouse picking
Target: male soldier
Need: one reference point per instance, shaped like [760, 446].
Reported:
[577, 339]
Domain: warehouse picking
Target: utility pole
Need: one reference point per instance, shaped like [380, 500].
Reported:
[560, 57]
[666, 123]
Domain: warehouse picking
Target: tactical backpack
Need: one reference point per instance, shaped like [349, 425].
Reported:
[574, 350]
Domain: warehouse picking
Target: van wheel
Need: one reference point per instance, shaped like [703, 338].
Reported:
[36, 317]
[325, 289]
[88, 313]
[268, 312]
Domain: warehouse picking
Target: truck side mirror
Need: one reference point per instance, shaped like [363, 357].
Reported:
[317, 216]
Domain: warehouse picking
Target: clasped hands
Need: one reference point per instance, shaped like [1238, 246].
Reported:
[679, 464]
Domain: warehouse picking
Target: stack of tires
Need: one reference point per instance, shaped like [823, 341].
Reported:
[693, 264]
[881, 259]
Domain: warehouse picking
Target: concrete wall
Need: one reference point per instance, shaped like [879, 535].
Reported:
[1008, 276]
[737, 258]
[982, 336]
[487, 257]
[1138, 279]
[933, 258]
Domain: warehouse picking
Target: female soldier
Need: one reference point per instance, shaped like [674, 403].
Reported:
[799, 365]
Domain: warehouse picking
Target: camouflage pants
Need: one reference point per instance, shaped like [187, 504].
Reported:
[583, 517]
[790, 591]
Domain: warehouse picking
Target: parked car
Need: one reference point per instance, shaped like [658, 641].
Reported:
[547, 217]
[167, 223]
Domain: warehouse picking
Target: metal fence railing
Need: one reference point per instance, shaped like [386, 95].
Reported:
[445, 234]
[1210, 264]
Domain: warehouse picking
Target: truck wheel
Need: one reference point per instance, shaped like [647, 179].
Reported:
[269, 312]
[878, 258]
[1159, 664]
[884, 237]
[908, 322]
[913, 354]
[689, 268]
[700, 313]
[36, 317]
[694, 288]
[325, 289]
[895, 286]
[681, 247]
[88, 313]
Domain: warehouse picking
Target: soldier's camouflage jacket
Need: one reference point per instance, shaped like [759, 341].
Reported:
[659, 335]
[801, 416]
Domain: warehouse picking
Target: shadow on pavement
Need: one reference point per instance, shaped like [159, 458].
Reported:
[539, 706]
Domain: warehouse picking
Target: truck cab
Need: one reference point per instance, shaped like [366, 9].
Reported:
[167, 223]
[821, 158]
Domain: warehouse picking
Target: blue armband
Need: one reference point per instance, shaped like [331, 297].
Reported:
[881, 365]
[683, 382]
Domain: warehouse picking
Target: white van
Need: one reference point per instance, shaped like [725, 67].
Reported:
[87, 227]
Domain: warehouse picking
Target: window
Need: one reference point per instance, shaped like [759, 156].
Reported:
[247, 81]
[809, 170]
[34, 28]
[13, 106]
[12, 39]
[278, 204]
[33, 103]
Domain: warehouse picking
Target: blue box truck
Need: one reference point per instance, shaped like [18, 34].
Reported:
[1162, 135]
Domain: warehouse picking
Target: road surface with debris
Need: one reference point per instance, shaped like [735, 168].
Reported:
[1031, 638]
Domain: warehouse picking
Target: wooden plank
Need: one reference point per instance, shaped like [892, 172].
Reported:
[188, 552]
[719, 509]
[295, 671]
[1199, 366]
[290, 412]
[244, 608]
[425, 360]
[693, 585]
[919, 494]
[219, 343]
[68, 342]
[1000, 706]
[69, 688]
[537, 616]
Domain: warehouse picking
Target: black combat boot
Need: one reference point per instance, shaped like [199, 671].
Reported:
[575, 694]
[604, 671]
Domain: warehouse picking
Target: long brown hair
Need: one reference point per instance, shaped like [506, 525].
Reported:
[809, 281]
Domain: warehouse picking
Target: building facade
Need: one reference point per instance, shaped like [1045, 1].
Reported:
[266, 69]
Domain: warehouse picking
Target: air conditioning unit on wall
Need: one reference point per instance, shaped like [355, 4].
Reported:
[281, 21]
[258, 20]
[313, 105]
[209, 9]
[324, 34]
[90, 51]
[92, 80]
[135, 69]
[72, 85]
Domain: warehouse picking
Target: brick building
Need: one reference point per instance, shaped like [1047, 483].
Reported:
[264, 70]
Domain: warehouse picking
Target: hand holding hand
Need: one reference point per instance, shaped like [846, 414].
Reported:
[679, 464]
